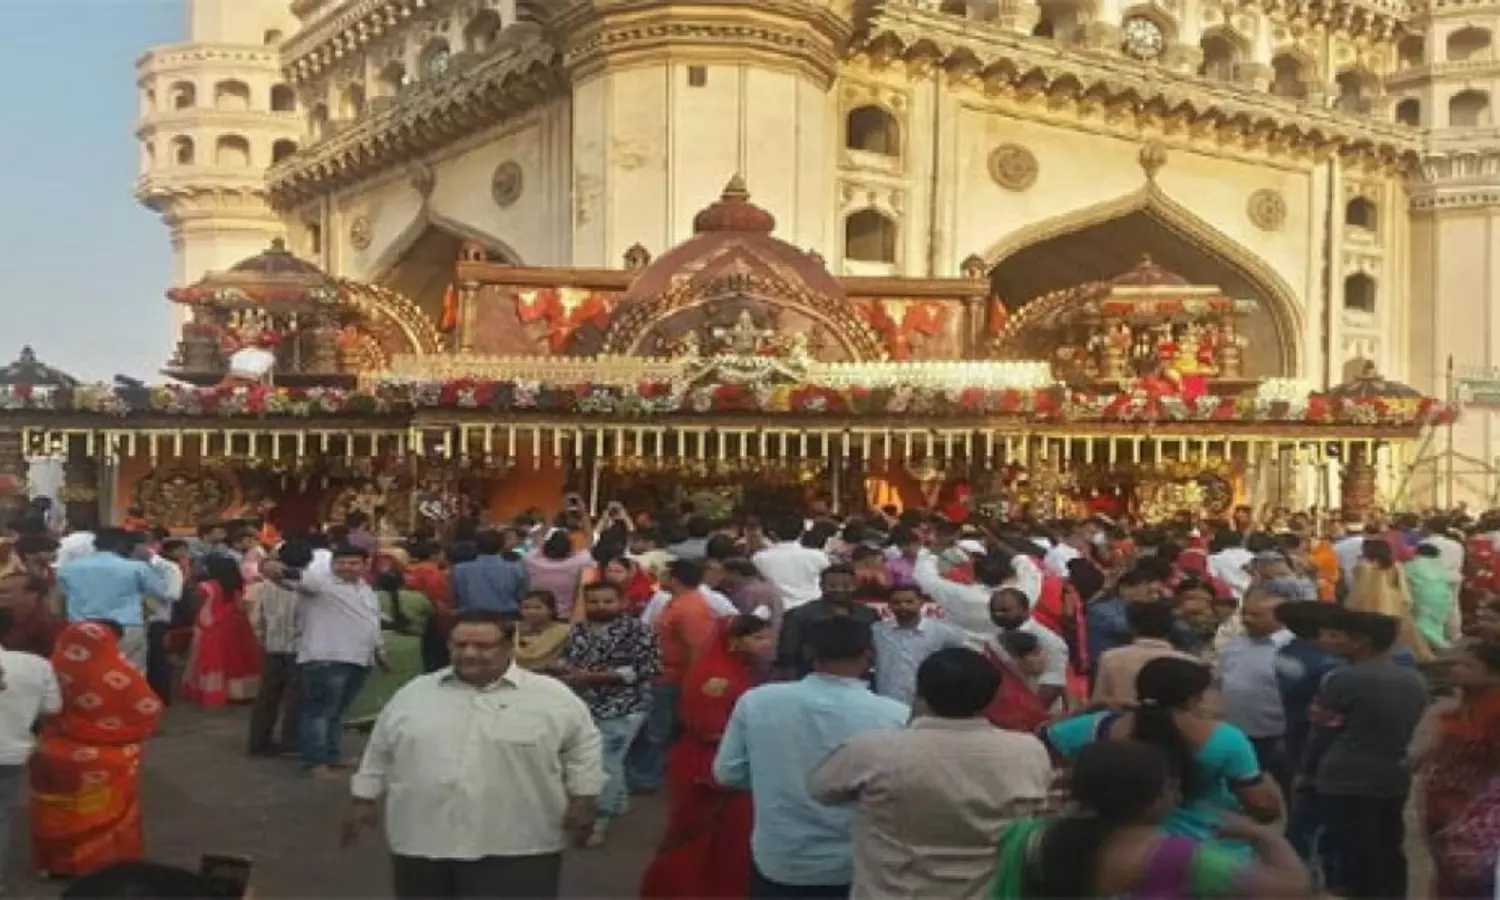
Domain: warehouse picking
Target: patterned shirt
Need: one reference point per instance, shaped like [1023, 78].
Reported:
[625, 647]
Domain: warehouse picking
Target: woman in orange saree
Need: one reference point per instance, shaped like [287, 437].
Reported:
[706, 850]
[85, 773]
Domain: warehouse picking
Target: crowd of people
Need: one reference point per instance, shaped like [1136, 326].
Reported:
[890, 704]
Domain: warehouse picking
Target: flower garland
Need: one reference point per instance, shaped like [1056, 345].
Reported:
[658, 398]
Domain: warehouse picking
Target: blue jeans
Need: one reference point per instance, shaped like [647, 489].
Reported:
[617, 734]
[327, 690]
[646, 763]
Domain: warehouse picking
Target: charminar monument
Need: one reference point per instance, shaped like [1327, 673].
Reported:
[1335, 160]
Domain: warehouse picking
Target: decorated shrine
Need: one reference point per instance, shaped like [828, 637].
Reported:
[733, 370]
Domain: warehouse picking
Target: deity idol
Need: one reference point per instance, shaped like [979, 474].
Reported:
[250, 348]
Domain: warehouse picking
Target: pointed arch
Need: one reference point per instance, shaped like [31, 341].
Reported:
[387, 260]
[1285, 310]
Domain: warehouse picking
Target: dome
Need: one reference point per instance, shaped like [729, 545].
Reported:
[732, 237]
[275, 276]
[1368, 383]
[731, 257]
[278, 262]
[28, 371]
[1149, 274]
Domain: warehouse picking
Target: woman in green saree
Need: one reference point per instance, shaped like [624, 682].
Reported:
[403, 618]
[1114, 847]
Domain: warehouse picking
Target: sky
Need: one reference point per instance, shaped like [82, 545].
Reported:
[82, 267]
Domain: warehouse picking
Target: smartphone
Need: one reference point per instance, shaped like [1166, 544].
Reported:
[228, 876]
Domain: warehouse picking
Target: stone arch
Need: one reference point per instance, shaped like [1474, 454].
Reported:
[1193, 248]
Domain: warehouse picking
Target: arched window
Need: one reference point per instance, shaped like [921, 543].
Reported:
[282, 149]
[1409, 112]
[182, 151]
[1290, 77]
[1411, 51]
[232, 95]
[184, 95]
[392, 79]
[314, 239]
[1359, 293]
[352, 102]
[317, 121]
[1469, 109]
[1356, 88]
[1360, 213]
[481, 32]
[272, 37]
[1468, 43]
[150, 155]
[283, 98]
[148, 102]
[1221, 53]
[873, 130]
[232, 152]
[1043, 28]
[869, 236]
[436, 59]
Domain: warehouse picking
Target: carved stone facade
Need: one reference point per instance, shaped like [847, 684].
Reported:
[1269, 150]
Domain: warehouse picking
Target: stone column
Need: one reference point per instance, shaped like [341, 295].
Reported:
[1358, 483]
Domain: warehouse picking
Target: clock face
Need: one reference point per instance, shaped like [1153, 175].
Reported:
[1143, 38]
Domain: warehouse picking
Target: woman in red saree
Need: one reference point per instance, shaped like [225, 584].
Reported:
[706, 850]
[224, 663]
[1456, 792]
[85, 773]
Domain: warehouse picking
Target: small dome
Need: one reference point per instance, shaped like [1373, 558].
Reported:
[28, 371]
[1149, 274]
[275, 276]
[733, 255]
[733, 236]
[1368, 383]
[278, 262]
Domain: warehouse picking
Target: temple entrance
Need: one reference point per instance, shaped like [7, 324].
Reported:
[1101, 251]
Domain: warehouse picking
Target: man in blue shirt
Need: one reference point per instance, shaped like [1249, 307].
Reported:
[494, 580]
[777, 734]
[111, 583]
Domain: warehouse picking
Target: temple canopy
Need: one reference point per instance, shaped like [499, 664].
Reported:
[29, 372]
[731, 278]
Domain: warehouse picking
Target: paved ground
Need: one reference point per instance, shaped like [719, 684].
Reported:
[204, 795]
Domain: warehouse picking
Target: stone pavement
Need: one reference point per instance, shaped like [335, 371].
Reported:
[202, 794]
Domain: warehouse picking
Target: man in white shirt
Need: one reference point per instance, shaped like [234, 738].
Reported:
[339, 642]
[1010, 610]
[796, 571]
[1073, 543]
[965, 606]
[28, 692]
[166, 561]
[1228, 559]
[486, 772]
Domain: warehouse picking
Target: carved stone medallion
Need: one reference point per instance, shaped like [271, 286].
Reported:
[1013, 167]
[361, 233]
[507, 183]
[1267, 209]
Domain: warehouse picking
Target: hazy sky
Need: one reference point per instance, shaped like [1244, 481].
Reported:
[82, 267]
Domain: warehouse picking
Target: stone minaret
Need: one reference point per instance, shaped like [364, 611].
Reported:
[1446, 84]
[214, 116]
